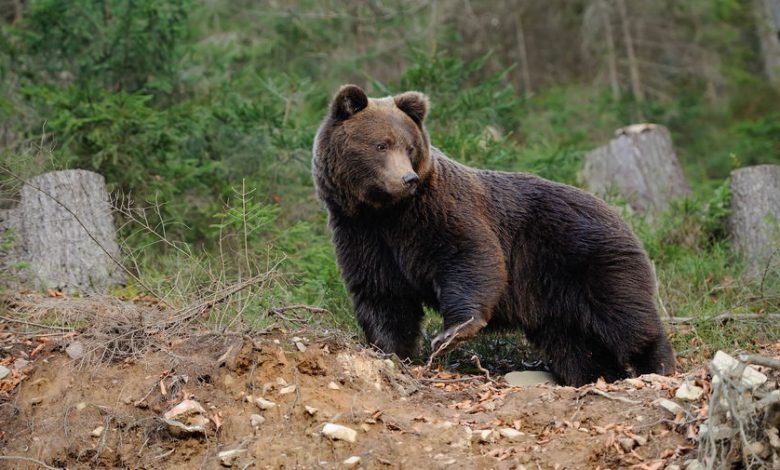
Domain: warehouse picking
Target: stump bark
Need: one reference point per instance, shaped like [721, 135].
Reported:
[755, 215]
[63, 234]
[640, 165]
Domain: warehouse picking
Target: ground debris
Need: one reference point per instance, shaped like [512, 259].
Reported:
[744, 405]
[396, 413]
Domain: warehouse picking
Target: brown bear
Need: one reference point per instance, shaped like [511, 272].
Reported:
[412, 227]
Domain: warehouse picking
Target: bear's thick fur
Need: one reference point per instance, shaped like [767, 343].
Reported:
[484, 248]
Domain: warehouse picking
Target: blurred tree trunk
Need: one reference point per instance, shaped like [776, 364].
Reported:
[611, 54]
[767, 13]
[633, 64]
[522, 55]
[63, 233]
[755, 216]
[640, 163]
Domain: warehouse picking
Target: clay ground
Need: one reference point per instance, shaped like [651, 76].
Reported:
[52, 408]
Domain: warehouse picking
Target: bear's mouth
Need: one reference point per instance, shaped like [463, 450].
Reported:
[379, 196]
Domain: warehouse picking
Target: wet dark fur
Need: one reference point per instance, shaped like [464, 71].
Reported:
[512, 249]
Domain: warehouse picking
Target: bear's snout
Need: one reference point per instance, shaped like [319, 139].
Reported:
[410, 179]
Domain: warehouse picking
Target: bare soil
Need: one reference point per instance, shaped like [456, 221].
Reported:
[405, 416]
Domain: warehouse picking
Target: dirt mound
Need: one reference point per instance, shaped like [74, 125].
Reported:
[265, 400]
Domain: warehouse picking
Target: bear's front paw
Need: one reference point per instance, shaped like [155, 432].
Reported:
[454, 335]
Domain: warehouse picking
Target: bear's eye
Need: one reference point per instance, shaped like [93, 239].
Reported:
[381, 147]
[410, 150]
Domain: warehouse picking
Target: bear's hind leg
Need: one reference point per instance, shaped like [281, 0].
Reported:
[656, 358]
[576, 360]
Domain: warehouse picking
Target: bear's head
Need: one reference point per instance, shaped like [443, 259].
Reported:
[371, 153]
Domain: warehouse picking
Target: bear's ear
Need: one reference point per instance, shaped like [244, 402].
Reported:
[414, 104]
[349, 100]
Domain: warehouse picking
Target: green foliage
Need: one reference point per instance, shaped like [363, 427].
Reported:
[122, 45]
[758, 140]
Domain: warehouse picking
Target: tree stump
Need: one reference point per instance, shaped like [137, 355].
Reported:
[640, 164]
[755, 215]
[62, 233]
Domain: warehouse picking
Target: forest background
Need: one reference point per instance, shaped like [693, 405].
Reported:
[201, 115]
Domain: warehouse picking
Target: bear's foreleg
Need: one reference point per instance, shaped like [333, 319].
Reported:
[467, 294]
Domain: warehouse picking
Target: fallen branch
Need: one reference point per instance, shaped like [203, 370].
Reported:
[188, 313]
[450, 381]
[724, 317]
[39, 325]
[308, 308]
[760, 360]
[479, 367]
[610, 397]
[28, 459]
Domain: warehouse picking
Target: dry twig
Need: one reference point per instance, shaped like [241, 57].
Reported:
[28, 459]
[760, 360]
[596, 391]
[443, 347]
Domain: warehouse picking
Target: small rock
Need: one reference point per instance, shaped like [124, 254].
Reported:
[626, 443]
[4, 372]
[670, 406]
[127, 400]
[445, 425]
[774, 437]
[226, 457]
[339, 432]
[487, 436]
[759, 449]
[352, 461]
[444, 459]
[287, 390]
[281, 382]
[640, 440]
[528, 377]
[186, 418]
[717, 433]
[264, 404]
[636, 383]
[365, 427]
[256, 420]
[689, 392]
[693, 464]
[510, 434]
[97, 432]
[20, 364]
[310, 409]
[36, 401]
[334, 386]
[301, 347]
[75, 350]
[81, 406]
[672, 467]
[723, 364]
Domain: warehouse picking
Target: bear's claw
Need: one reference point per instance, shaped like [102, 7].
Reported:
[454, 335]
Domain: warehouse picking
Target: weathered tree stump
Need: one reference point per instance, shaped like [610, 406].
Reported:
[63, 233]
[640, 164]
[755, 215]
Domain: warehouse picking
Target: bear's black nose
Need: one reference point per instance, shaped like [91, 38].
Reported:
[411, 178]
